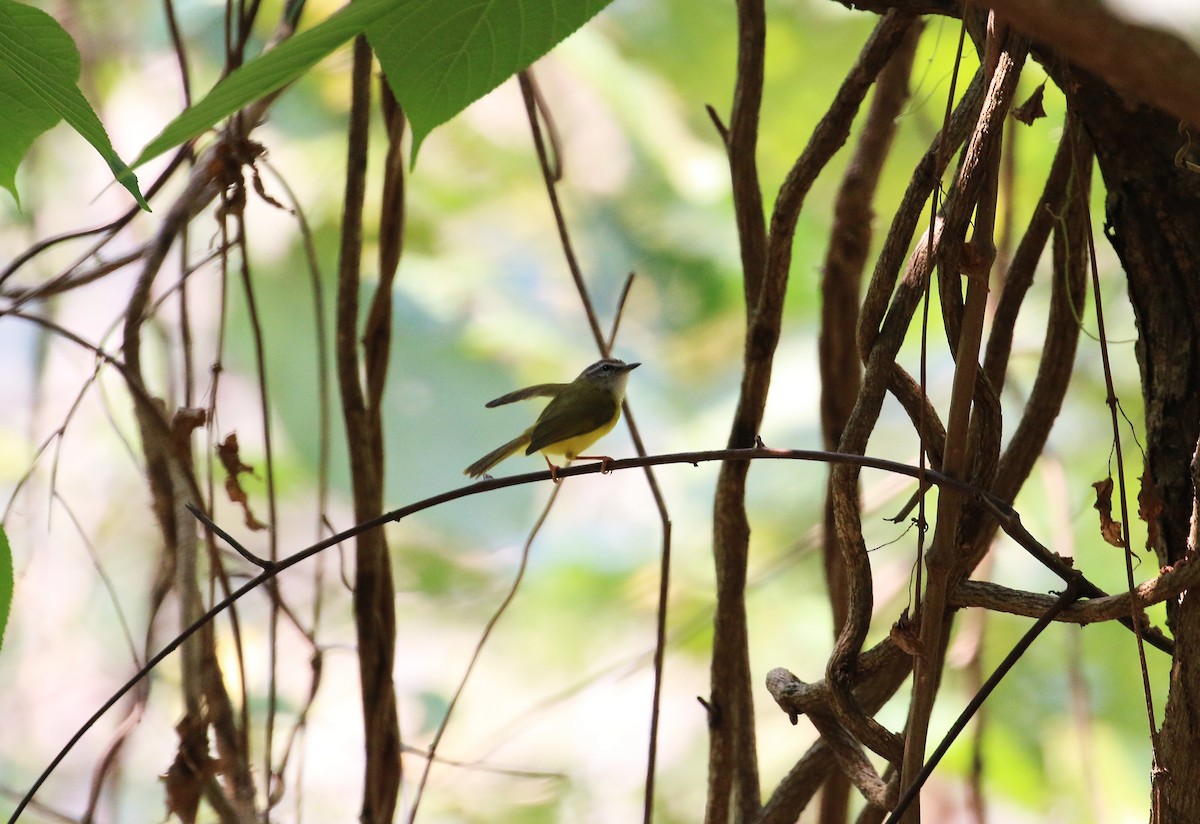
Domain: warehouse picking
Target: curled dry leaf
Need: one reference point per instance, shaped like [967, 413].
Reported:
[1110, 530]
[1150, 507]
[192, 768]
[1032, 109]
[227, 453]
[904, 634]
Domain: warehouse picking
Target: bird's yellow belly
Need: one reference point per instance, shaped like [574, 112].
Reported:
[571, 447]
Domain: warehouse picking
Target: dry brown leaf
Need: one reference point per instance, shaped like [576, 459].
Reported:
[227, 453]
[1032, 109]
[192, 768]
[1150, 507]
[904, 635]
[1110, 530]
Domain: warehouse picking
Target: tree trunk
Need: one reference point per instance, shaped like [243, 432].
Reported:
[1153, 222]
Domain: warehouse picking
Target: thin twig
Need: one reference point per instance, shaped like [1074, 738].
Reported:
[108, 231]
[975, 184]
[227, 538]
[1008, 517]
[611, 341]
[320, 339]
[551, 171]
[1068, 597]
[528, 92]
[505, 602]
[1113, 403]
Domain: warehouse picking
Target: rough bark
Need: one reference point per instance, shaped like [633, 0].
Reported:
[1154, 224]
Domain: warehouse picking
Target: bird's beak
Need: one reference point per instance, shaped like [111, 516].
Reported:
[630, 366]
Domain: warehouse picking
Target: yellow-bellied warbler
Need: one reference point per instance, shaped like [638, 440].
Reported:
[578, 415]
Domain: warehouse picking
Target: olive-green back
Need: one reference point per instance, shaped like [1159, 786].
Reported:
[584, 409]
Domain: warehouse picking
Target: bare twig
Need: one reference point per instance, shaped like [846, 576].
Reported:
[976, 182]
[537, 111]
[107, 232]
[870, 662]
[1069, 596]
[528, 91]
[1123, 496]
[208, 522]
[431, 753]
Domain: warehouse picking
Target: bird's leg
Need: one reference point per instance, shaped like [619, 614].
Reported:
[604, 460]
[553, 470]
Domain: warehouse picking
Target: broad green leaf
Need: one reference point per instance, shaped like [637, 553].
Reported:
[39, 67]
[6, 582]
[441, 55]
[269, 72]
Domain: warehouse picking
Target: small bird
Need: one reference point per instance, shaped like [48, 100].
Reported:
[579, 414]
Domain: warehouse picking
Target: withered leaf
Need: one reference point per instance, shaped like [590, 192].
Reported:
[904, 634]
[190, 771]
[227, 453]
[1110, 530]
[1032, 109]
[1150, 507]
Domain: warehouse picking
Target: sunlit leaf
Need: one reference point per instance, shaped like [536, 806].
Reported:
[270, 72]
[39, 70]
[1110, 530]
[441, 55]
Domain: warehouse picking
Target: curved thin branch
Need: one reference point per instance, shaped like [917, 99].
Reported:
[1171, 582]
[551, 161]
[870, 662]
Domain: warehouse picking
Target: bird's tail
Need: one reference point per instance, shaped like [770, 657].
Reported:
[497, 455]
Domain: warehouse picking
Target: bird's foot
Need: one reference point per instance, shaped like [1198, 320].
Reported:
[605, 462]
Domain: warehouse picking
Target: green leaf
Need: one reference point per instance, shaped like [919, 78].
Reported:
[6, 582]
[39, 67]
[441, 55]
[267, 73]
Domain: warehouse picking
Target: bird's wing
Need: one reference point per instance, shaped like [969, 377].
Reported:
[560, 421]
[541, 390]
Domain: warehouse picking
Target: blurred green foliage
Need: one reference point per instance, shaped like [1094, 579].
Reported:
[39, 70]
[439, 56]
